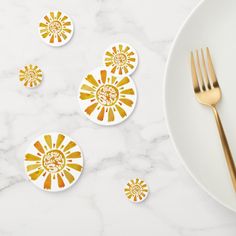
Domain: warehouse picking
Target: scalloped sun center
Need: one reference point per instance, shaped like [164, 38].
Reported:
[107, 95]
[120, 59]
[55, 27]
[54, 161]
[136, 189]
[30, 75]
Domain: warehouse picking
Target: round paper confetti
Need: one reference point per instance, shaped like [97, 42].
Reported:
[136, 190]
[53, 162]
[56, 28]
[31, 76]
[120, 59]
[106, 99]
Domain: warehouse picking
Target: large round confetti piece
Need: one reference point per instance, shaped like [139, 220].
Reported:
[53, 162]
[56, 28]
[136, 190]
[106, 99]
[120, 59]
[31, 76]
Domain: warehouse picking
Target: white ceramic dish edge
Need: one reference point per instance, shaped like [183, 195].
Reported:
[165, 112]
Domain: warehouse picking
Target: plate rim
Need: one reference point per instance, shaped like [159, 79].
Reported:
[177, 151]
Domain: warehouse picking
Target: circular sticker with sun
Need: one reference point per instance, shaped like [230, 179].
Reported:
[53, 162]
[106, 99]
[56, 28]
[31, 76]
[136, 190]
[120, 59]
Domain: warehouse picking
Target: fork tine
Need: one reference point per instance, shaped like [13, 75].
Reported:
[194, 75]
[205, 71]
[211, 69]
[201, 81]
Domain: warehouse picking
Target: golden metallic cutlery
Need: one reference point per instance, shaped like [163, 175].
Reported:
[208, 92]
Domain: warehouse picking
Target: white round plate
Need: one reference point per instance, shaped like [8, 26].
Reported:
[56, 28]
[53, 162]
[191, 125]
[107, 99]
[120, 59]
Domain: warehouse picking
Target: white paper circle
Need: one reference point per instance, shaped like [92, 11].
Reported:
[136, 190]
[120, 59]
[106, 99]
[53, 162]
[31, 75]
[56, 28]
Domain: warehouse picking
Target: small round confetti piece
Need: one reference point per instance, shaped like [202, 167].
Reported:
[136, 190]
[56, 28]
[31, 76]
[53, 162]
[120, 59]
[107, 99]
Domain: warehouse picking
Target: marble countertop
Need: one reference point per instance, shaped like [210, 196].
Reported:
[139, 147]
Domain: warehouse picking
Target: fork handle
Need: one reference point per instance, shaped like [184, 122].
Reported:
[225, 145]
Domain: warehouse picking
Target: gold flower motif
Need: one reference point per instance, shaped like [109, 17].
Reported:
[107, 99]
[54, 162]
[136, 190]
[31, 75]
[121, 59]
[56, 28]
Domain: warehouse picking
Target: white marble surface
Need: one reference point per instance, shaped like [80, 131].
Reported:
[140, 146]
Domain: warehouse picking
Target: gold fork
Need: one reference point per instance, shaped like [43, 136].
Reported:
[208, 92]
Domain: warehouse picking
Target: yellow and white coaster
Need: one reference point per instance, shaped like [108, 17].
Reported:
[120, 59]
[56, 28]
[53, 162]
[31, 76]
[106, 99]
[136, 190]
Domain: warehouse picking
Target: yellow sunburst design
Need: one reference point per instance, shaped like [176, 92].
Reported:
[56, 28]
[121, 59]
[31, 76]
[54, 162]
[136, 190]
[107, 99]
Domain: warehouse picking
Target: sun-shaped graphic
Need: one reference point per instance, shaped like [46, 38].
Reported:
[136, 190]
[56, 28]
[53, 162]
[121, 59]
[31, 76]
[107, 99]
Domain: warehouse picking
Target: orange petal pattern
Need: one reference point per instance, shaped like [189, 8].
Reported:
[53, 162]
[120, 59]
[136, 190]
[107, 99]
[56, 28]
[31, 75]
